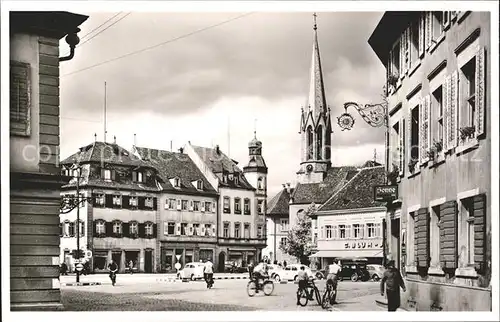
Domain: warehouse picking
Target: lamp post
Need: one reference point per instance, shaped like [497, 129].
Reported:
[70, 203]
[376, 115]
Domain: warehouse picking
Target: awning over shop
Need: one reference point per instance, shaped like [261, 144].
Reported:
[348, 253]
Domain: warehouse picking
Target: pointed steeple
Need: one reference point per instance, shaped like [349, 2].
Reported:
[316, 99]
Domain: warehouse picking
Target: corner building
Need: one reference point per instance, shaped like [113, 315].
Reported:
[438, 67]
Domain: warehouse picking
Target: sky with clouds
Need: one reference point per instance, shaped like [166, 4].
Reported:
[201, 87]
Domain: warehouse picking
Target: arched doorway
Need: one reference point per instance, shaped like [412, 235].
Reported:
[222, 262]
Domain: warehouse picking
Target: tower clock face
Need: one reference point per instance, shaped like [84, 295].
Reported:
[309, 168]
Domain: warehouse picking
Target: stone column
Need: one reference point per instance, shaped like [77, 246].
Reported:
[142, 260]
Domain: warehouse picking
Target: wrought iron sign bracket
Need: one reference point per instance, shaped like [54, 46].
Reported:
[70, 203]
[373, 114]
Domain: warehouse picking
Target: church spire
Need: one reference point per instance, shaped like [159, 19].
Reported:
[316, 99]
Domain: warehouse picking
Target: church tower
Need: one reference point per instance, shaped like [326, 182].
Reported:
[315, 124]
[256, 173]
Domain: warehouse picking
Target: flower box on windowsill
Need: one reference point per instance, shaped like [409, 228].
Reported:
[412, 166]
[467, 132]
[439, 158]
[467, 146]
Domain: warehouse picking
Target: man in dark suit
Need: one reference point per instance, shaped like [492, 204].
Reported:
[392, 280]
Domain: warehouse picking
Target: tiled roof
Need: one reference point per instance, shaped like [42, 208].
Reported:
[256, 161]
[109, 153]
[370, 164]
[173, 164]
[320, 192]
[357, 193]
[120, 186]
[279, 204]
[220, 164]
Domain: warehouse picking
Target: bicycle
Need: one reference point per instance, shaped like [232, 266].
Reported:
[329, 296]
[305, 295]
[253, 286]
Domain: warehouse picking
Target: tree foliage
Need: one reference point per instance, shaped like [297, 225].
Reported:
[299, 240]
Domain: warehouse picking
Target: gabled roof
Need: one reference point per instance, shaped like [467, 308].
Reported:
[279, 204]
[108, 153]
[173, 164]
[358, 192]
[221, 164]
[318, 193]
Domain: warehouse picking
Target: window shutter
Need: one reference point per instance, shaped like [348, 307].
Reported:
[480, 232]
[378, 231]
[94, 229]
[134, 176]
[109, 229]
[202, 230]
[113, 175]
[428, 29]
[125, 229]
[191, 205]
[480, 86]
[179, 204]
[362, 231]
[20, 92]
[424, 128]
[446, 111]
[453, 115]
[407, 49]
[166, 204]
[203, 206]
[421, 35]
[108, 199]
[403, 52]
[189, 229]
[401, 55]
[348, 231]
[407, 127]
[155, 231]
[177, 228]
[402, 147]
[165, 228]
[155, 203]
[448, 231]
[141, 230]
[423, 238]
[82, 231]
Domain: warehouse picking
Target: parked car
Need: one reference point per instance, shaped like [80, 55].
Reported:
[291, 271]
[231, 267]
[353, 269]
[273, 269]
[192, 271]
[376, 271]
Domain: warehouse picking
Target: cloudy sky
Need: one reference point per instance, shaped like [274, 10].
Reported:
[205, 85]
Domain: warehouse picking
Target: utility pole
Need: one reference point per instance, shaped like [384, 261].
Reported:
[78, 169]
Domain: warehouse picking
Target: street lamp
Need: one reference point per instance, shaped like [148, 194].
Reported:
[376, 115]
[72, 202]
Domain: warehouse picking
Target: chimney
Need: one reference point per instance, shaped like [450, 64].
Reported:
[181, 150]
[217, 149]
[114, 139]
[288, 187]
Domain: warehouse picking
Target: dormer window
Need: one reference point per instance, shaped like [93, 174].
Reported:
[231, 177]
[199, 185]
[236, 180]
[107, 174]
[139, 177]
[175, 182]
[224, 178]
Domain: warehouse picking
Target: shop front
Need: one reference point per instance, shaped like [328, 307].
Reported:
[183, 253]
[141, 260]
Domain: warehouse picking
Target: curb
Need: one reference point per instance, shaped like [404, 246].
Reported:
[383, 304]
[288, 282]
[231, 278]
[82, 284]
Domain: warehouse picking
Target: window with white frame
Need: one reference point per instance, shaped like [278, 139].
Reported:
[107, 174]
[184, 205]
[259, 231]
[411, 238]
[99, 199]
[434, 235]
[148, 228]
[283, 241]
[208, 230]
[227, 205]
[169, 228]
[117, 227]
[467, 97]
[148, 202]
[199, 185]
[117, 200]
[171, 203]
[139, 177]
[414, 41]
[415, 134]
[246, 230]
[66, 228]
[358, 230]
[284, 224]
[237, 230]
[133, 201]
[237, 205]
[184, 229]
[225, 230]
[196, 229]
[196, 205]
[246, 206]
[437, 25]
[342, 232]
[370, 230]
[100, 227]
[260, 207]
[437, 127]
[260, 183]
[394, 61]
[177, 182]
[328, 232]
[134, 228]
[236, 179]
[466, 230]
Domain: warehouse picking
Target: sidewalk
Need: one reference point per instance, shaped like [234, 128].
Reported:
[372, 302]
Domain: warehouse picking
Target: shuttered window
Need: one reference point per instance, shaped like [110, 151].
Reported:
[422, 237]
[480, 241]
[20, 103]
[448, 235]
[425, 128]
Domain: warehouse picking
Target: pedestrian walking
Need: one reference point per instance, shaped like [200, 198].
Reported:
[284, 264]
[64, 269]
[392, 280]
[113, 268]
[250, 269]
[131, 267]
[208, 273]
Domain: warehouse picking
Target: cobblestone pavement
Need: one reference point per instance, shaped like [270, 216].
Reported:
[226, 295]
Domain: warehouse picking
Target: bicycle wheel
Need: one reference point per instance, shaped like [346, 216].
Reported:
[303, 297]
[317, 295]
[333, 297]
[268, 287]
[251, 288]
[325, 302]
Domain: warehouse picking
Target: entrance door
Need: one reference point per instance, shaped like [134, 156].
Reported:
[222, 262]
[117, 258]
[396, 242]
[148, 261]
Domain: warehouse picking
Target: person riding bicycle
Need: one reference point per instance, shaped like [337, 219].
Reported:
[208, 272]
[113, 268]
[333, 275]
[260, 274]
[302, 278]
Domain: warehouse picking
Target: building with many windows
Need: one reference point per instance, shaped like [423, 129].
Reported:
[120, 221]
[349, 223]
[187, 210]
[241, 210]
[35, 179]
[439, 116]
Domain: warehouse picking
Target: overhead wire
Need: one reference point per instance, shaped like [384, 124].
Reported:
[103, 30]
[157, 45]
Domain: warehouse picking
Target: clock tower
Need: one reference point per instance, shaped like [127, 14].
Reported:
[315, 124]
